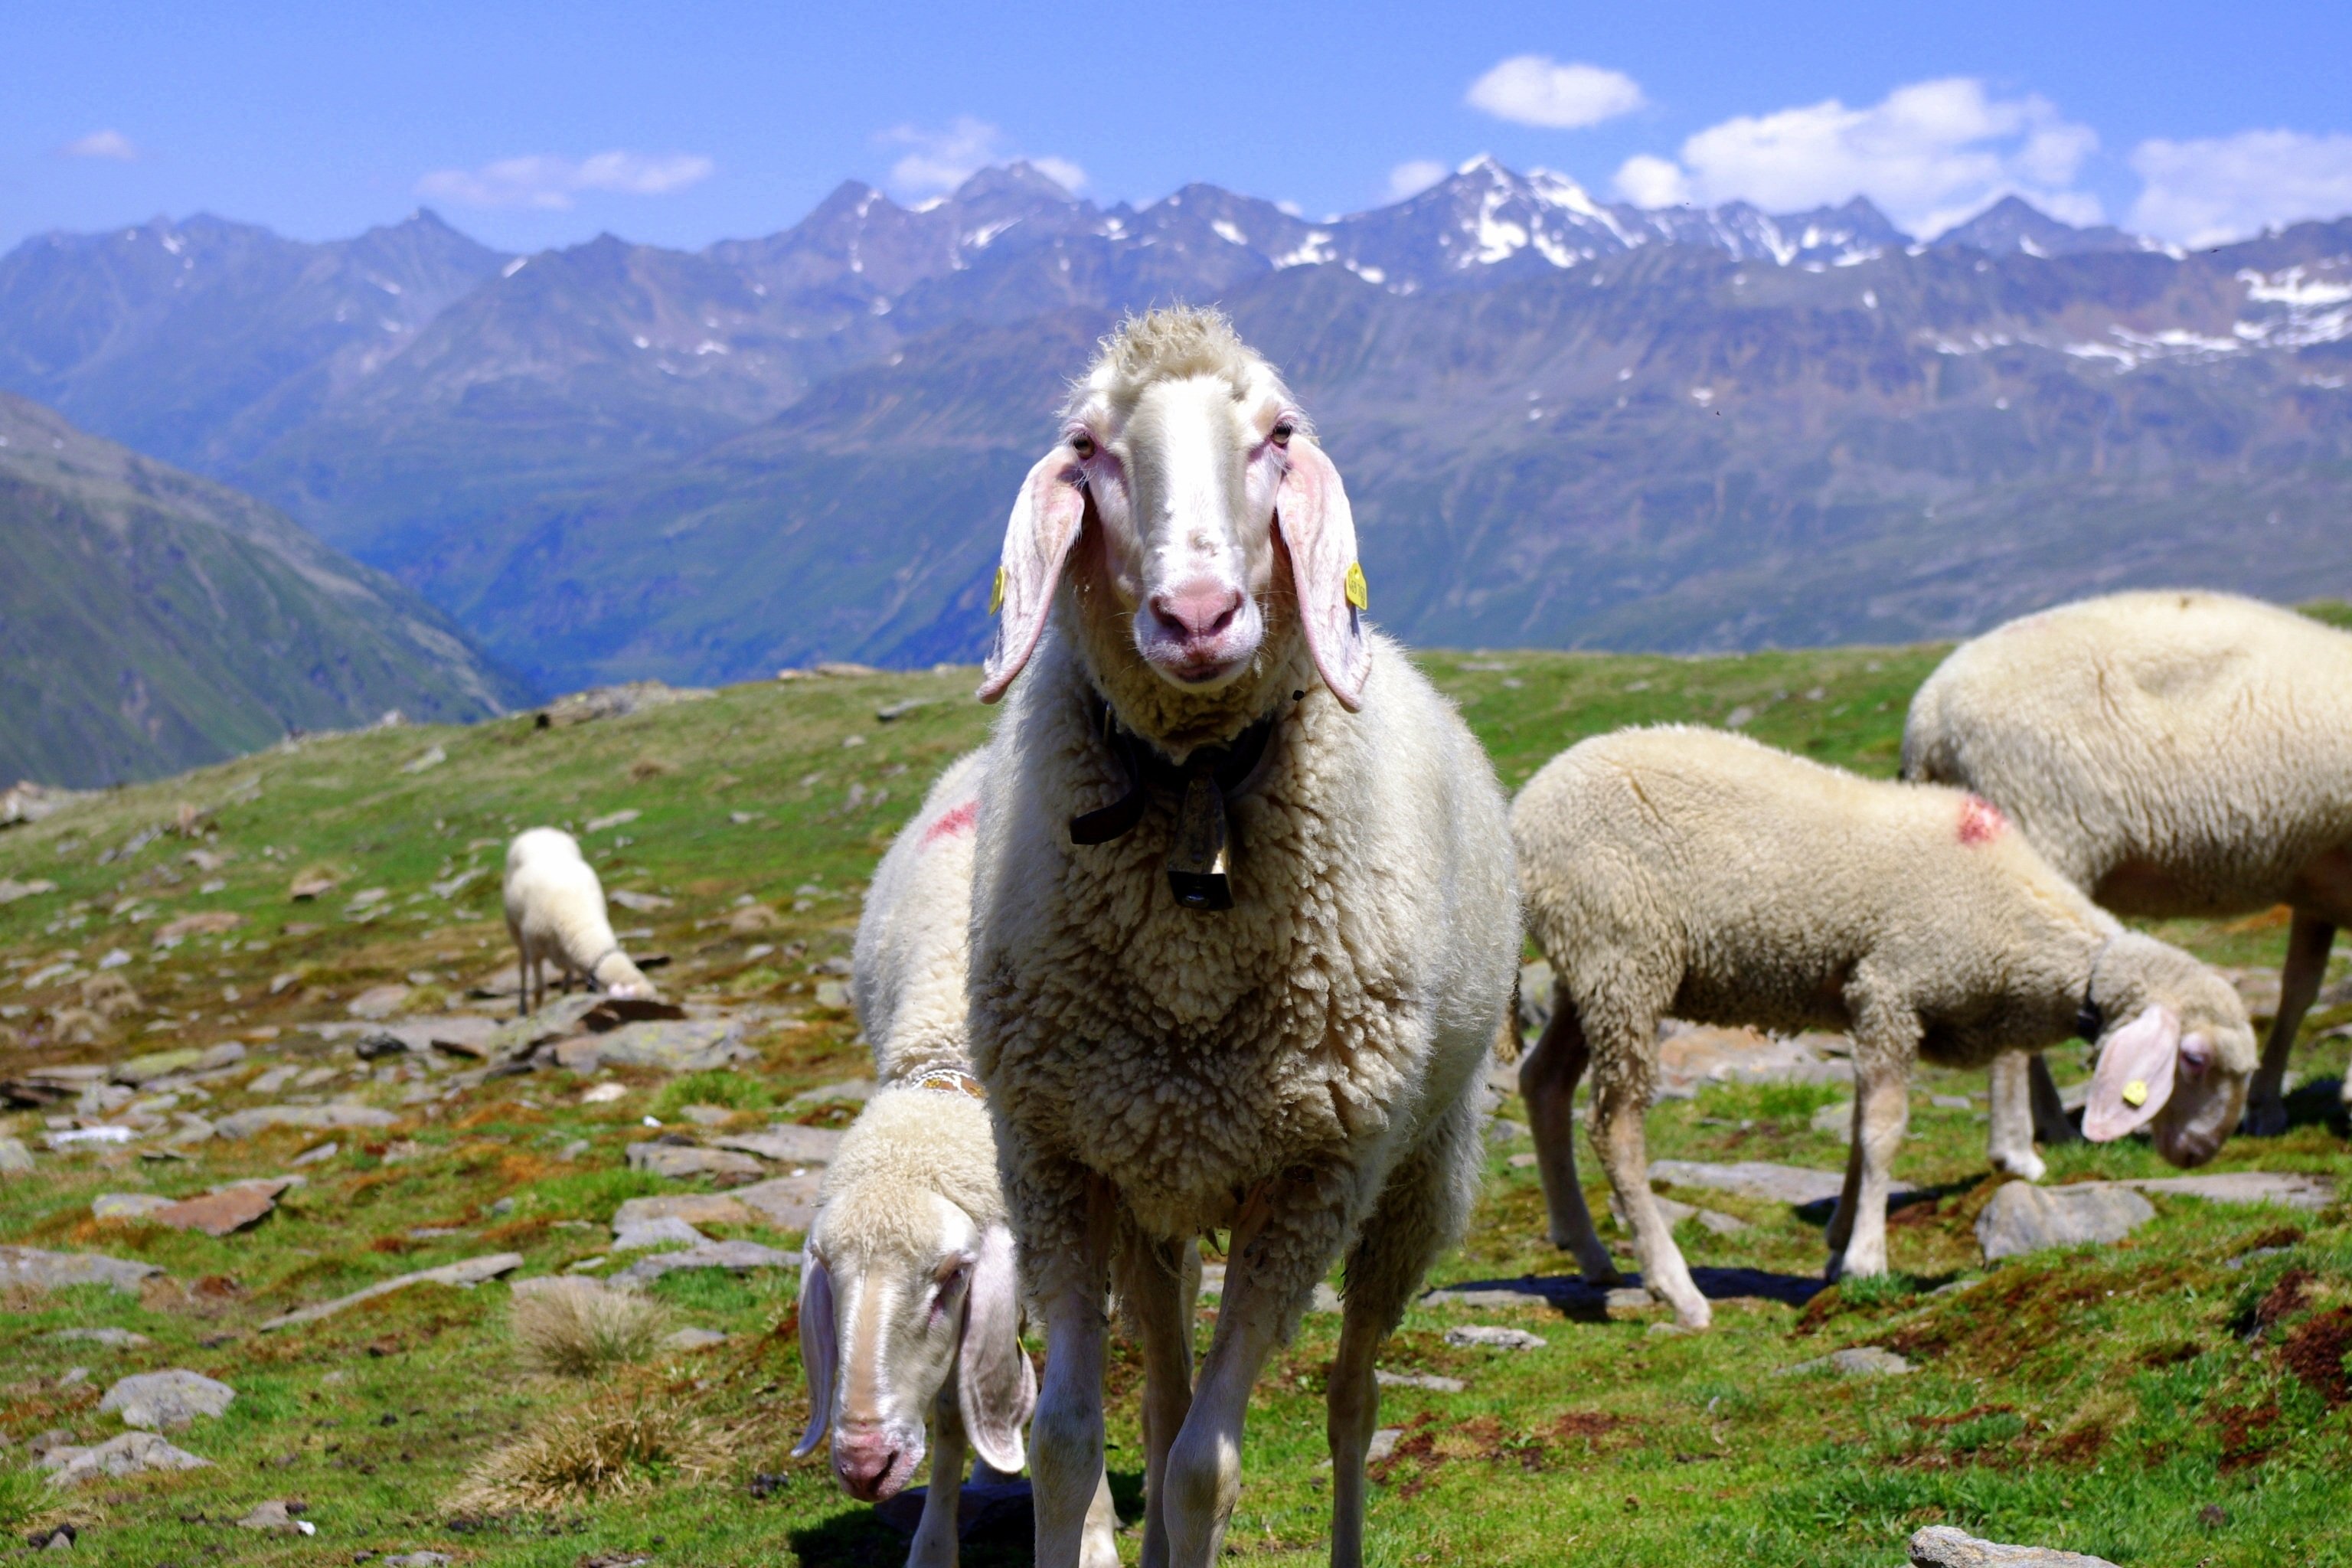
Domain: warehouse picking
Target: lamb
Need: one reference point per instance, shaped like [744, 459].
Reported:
[1702, 874]
[555, 910]
[1243, 927]
[910, 1310]
[2174, 753]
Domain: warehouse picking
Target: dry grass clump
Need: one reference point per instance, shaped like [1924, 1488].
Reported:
[583, 1329]
[588, 1454]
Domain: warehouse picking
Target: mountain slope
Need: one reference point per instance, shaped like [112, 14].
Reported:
[151, 620]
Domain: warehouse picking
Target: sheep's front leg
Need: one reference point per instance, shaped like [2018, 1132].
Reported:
[1884, 1040]
[1159, 1282]
[1547, 1081]
[1621, 1099]
[2010, 1144]
[2307, 941]
[935, 1536]
[1066, 1223]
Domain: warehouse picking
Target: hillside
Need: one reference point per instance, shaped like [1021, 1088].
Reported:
[2160, 1401]
[150, 620]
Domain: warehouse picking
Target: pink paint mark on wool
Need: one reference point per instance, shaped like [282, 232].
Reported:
[1980, 821]
[961, 820]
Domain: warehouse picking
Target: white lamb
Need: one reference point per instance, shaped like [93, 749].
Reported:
[910, 1306]
[1698, 874]
[555, 910]
[2174, 753]
[1256, 991]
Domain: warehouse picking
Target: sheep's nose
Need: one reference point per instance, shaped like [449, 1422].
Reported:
[866, 1461]
[1198, 610]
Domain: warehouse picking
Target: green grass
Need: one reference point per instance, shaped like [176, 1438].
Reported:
[2139, 1400]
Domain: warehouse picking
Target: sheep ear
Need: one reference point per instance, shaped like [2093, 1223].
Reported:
[995, 1385]
[1319, 532]
[818, 1354]
[1037, 540]
[2134, 1078]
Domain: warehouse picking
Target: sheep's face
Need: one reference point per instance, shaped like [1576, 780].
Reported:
[891, 1318]
[1183, 483]
[2179, 1060]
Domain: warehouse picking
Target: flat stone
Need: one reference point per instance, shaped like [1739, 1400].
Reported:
[2022, 1217]
[128, 1455]
[51, 1270]
[854, 1092]
[1674, 1213]
[378, 1002]
[786, 1202]
[690, 1209]
[2292, 1189]
[1941, 1546]
[1384, 1444]
[127, 1205]
[322, 1117]
[681, 1160]
[277, 1516]
[167, 1401]
[463, 1275]
[116, 1339]
[675, 1045]
[415, 1560]
[232, 1208]
[694, 1339]
[315, 1152]
[708, 1115]
[796, 1145]
[1861, 1360]
[1836, 1119]
[1428, 1380]
[16, 1160]
[1794, 1185]
[654, 1233]
[1490, 1337]
[737, 1256]
[160, 1064]
[1697, 1054]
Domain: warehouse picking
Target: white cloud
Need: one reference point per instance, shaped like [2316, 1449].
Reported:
[542, 180]
[111, 145]
[940, 160]
[1930, 155]
[1648, 180]
[2226, 187]
[1535, 90]
[1414, 176]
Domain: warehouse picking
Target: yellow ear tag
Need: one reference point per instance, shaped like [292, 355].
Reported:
[2136, 1093]
[996, 595]
[1359, 593]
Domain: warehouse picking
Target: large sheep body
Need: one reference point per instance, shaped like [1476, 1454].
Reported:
[555, 913]
[1298, 1068]
[1696, 874]
[2173, 754]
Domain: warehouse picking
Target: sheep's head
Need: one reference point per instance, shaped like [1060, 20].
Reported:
[617, 974]
[1208, 510]
[2177, 1058]
[893, 1306]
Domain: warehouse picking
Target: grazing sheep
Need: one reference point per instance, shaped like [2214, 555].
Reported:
[2174, 753]
[1243, 923]
[910, 1305]
[555, 910]
[1700, 874]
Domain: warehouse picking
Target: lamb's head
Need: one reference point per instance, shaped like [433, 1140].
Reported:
[618, 975]
[2177, 1055]
[1212, 528]
[898, 1301]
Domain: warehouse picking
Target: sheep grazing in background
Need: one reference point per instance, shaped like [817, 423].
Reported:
[2173, 754]
[910, 1305]
[1702, 875]
[1242, 924]
[555, 911]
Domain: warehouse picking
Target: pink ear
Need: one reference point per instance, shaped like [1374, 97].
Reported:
[1319, 531]
[1037, 540]
[995, 1385]
[2136, 1062]
[817, 1351]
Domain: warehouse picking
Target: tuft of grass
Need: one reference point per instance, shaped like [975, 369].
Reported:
[589, 1454]
[735, 1090]
[1871, 1291]
[582, 1332]
[21, 1495]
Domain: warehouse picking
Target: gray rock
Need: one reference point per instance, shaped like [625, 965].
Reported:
[694, 1209]
[736, 1256]
[463, 1275]
[159, 1064]
[1428, 1380]
[1714, 1220]
[681, 1160]
[1793, 1185]
[415, 1560]
[125, 1456]
[787, 1202]
[16, 1160]
[665, 1232]
[167, 1401]
[1489, 1337]
[2023, 1219]
[277, 1516]
[1503, 1131]
[261, 1118]
[127, 1205]
[1691, 1055]
[2292, 1189]
[671, 1045]
[1836, 1119]
[1941, 1546]
[1323, 1298]
[1951, 1102]
[1861, 1360]
[855, 1092]
[795, 1145]
[118, 1338]
[50, 1270]
[694, 1339]
[1384, 1442]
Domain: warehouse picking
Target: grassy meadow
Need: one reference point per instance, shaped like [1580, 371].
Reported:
[2179, 1398]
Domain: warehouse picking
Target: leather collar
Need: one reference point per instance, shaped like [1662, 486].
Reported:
[1203, 784]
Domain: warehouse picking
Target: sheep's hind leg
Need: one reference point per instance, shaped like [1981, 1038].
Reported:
[935, 1537]
[2010, 1144]
[1547, 1081]
[2051, 1126]
[1422, 1211]
[1159, 1282]
[1884, 1040]
[1621, 1098]
[2307, 941]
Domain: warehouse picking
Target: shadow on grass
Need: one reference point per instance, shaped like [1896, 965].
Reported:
[995, 1525]
[1572, 1297]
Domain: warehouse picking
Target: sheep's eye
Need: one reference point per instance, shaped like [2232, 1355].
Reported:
[1280, 434]
[1083, 445]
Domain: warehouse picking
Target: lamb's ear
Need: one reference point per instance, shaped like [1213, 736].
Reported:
[2134, 1078]
[818, 1352]
[1037, 540]
[1318, 532]
[995, 1385]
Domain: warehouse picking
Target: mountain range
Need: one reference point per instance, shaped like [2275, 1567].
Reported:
[1564, 422]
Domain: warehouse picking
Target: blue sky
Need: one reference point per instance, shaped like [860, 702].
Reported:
[531, 125]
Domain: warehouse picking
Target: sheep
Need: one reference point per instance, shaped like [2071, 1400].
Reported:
[910, 1310]
[1703, 874]
[555, 910]
[1243, 926]
[2173, 754]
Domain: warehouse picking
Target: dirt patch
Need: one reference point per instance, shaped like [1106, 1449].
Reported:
[2247, 1435]
[1945, 1423]
[2284, 1298]
[2163, 1356]
[2314, 1353]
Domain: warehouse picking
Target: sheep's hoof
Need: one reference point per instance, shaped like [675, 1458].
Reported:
[1695, 1319]
[2024, 1167]
[2264, 1119]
